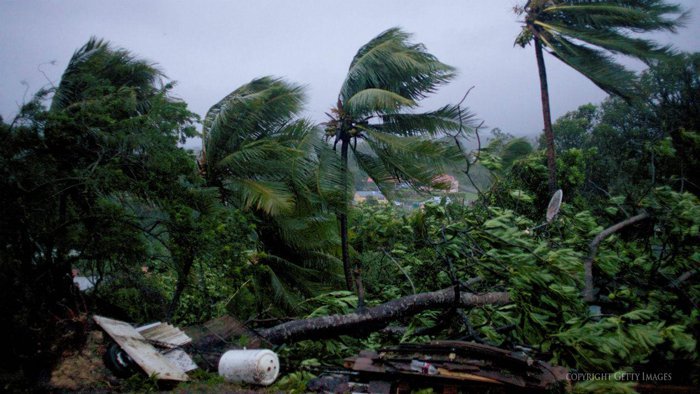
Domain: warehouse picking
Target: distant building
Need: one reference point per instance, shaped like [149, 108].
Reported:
[364, 195]
[450, 181]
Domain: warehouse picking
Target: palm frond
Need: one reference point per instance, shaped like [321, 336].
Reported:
[449, 118]
[585, 34]
[609, 40]
[267, 196]
[375, 168]
[413, 160]
[632, 15]
[390, 62]
[282, 295]
[374, 100]
[329, 181]
[253, 111]
[253, 152]
[294, 276]
[595, 65]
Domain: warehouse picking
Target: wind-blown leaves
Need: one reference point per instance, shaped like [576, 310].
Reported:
[254, 111]
[600, 68]
[391, 62]
[586, 34]
[377, 105]
[266, 160]
[449, 118]
[117, 66]
[372, 100]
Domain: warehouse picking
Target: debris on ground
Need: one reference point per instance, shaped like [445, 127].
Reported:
[452, 365]
[148, 347]
[162, 351]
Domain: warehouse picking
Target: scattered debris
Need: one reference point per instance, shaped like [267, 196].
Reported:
[141, 350]
[339, 384]
[181, 359]
[164, 335]
[157, 349]
[455, 364]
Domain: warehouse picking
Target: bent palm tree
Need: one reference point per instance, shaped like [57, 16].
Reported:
[264, 159]
[585, 34]
[386, 79]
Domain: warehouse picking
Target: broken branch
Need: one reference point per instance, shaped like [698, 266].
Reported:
[588, 264]
[376, 318]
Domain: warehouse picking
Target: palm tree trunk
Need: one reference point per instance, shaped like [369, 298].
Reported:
[548, 133]
[343, 218]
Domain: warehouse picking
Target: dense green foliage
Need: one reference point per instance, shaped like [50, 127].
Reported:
[82, 182]
[265, 160]
[645, 314]
[93, 180]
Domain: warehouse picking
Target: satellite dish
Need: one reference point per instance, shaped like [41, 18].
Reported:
[554, 205]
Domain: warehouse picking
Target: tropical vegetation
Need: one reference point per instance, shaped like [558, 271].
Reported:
[386, 80]
[259, 225]
[586, 35]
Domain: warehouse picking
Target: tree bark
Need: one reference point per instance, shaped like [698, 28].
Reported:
[588, 264]
[546, 114]
[343, 218]
[179, 289]
[375, 318]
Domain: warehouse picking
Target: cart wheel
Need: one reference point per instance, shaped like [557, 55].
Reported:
[119, 362]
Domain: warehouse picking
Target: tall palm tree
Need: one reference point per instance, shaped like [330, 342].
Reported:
[265, 159]
[376, 106]
[586, 34]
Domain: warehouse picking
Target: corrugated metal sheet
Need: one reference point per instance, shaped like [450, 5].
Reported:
[164, 334]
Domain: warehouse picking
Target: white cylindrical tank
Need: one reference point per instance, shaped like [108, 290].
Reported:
[259, 366]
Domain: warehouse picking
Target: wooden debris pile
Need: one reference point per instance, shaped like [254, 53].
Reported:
[454, 364]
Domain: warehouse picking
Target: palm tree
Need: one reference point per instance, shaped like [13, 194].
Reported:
[376, 105]
[266, 160]
[586, 34]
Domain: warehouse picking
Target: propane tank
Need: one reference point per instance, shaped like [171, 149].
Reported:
[250, 366]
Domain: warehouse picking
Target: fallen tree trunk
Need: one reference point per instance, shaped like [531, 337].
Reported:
[375, 318]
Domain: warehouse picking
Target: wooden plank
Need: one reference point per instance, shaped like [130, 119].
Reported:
[466, 376]
[142, 352]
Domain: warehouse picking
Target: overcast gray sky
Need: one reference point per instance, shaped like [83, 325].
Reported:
[212, 47]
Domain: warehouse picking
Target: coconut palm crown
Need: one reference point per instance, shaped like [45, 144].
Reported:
[266, 160]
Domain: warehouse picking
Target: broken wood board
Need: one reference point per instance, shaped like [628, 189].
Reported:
[462, 364]
[143, 353]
